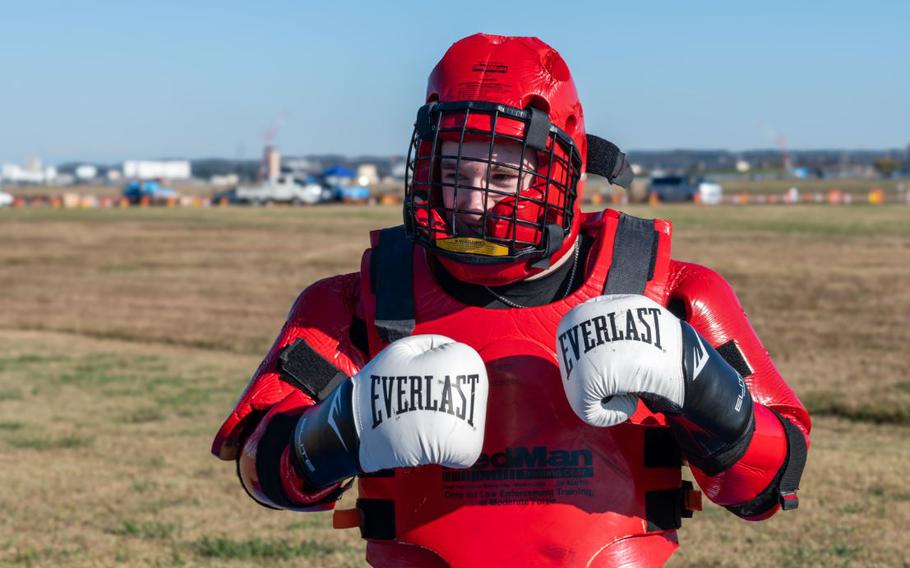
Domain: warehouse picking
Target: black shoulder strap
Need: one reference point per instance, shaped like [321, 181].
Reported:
[391, 280]
[634, 255]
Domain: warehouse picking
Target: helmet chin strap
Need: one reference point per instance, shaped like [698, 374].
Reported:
[553, 239]
[573, 253]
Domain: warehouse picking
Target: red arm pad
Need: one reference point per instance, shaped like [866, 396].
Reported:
[712, 308]
[321, 316]
[754, 471]
[297, 491]
[265, 470]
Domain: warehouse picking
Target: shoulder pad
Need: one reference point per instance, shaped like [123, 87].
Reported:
[706, 300]
[321, 317]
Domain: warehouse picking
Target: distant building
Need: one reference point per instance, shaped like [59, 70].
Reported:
[399, 170]
[154, 169]
[367, 174]
[301, 167]
[86, 172]
[271, 163]
[32, 173]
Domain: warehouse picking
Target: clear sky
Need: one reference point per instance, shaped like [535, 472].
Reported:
[107, 81]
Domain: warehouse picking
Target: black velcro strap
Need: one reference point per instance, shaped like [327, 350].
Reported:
[797, 453]
[391, 269]
[553, 237]
[300, 365]
[661, 449]
[624, 176]
[607, 160]
[733, 355]
[603, 156]
[538, 129]
[665, 509]
[425, 125]
[634, 255]
[377, 518]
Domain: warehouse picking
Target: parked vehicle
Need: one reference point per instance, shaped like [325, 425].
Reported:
[136, 191]
[675, 188]
[6, 199]
[283, 189]
[352, 193]
[229, 195]
[710, 191]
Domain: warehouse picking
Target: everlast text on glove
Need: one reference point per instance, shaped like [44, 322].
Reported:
[643, 325]
[395, 395]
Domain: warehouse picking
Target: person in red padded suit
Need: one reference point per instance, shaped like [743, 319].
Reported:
[599, 364]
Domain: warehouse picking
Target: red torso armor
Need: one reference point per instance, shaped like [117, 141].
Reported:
[548, 490]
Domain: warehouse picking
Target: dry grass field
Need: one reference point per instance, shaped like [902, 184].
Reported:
[126, 335]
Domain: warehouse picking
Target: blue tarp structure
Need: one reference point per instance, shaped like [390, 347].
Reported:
[339, 172]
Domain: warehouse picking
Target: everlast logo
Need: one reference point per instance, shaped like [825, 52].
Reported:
[642, 324]
[392, 396]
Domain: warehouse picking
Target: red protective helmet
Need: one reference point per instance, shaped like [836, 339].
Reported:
[497, 91]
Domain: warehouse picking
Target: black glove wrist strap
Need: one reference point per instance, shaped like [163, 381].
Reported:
[717, 418]
[326, 448]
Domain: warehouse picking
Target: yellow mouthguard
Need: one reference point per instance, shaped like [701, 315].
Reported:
[472, 245]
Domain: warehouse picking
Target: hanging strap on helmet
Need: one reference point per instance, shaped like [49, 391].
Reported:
[634, 255]
[538, 131]
[391, 281]
[607, 160]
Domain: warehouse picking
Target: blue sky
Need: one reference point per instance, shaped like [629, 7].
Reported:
[107, 81]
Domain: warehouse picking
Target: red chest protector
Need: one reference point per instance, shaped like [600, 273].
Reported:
[548, 489]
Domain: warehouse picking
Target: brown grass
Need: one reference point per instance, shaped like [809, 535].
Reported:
[108, 190]
[127, 334]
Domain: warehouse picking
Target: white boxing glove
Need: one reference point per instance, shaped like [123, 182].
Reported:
[616, 349]
[421, 400]
[611, 348]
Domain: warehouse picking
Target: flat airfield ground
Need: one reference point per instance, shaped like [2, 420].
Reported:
[126, 336]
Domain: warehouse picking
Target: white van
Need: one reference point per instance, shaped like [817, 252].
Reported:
[710, 192]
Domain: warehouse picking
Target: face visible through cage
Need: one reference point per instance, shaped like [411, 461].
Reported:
[475, 186]
[478, 187]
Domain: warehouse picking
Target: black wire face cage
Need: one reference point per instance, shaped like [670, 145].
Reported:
[526, 220]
